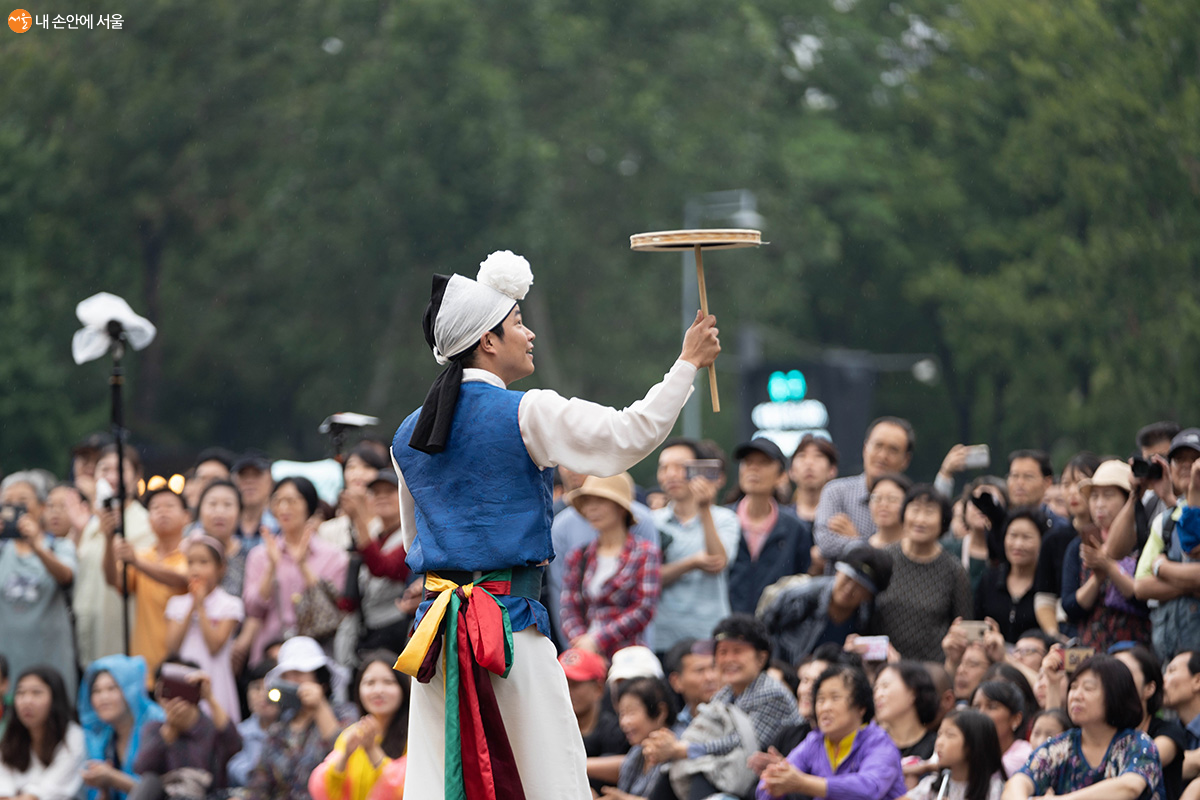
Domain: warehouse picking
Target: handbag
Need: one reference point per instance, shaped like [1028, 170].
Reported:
[317, 612]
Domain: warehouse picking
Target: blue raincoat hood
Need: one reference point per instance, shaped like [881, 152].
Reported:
[130, 674]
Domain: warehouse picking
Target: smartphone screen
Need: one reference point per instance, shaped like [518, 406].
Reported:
[707, 468]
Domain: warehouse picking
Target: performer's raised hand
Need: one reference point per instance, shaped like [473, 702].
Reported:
[701, 344]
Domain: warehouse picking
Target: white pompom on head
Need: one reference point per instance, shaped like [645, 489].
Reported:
[507, 273]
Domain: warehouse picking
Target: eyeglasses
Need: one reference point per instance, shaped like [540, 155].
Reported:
[885, 499]
[1021, 652]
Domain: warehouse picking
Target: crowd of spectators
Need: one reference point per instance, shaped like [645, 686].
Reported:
[794, 634]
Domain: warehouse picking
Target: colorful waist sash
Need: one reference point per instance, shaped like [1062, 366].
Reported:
[479, 639]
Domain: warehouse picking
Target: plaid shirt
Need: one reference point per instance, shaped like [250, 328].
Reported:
[848, 496]
[627, 600]
[770, 707]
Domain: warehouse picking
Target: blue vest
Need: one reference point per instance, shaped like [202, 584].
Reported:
[481, 503]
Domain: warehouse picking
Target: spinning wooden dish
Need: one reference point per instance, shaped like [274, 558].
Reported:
[698, 240]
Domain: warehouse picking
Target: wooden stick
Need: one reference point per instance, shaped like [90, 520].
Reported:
[712, 370]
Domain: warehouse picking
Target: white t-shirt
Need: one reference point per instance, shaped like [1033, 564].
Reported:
[61, 779]
[930, 785]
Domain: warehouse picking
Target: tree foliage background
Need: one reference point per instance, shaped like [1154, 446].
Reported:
[1011, 186]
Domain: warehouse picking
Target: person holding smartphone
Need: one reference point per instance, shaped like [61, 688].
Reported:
[699, 541]
[188, 739]
[774, 543]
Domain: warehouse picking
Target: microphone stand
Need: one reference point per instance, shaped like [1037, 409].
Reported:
[117, 333]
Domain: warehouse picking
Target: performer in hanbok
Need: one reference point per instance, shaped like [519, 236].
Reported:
[490, 713]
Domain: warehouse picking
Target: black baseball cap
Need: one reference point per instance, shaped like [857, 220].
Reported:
[92, 443]
[387, 475]
[761, 444]
[252, 459]
[1188, 438]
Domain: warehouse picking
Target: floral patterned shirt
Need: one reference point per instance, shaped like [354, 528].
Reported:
[1060, 765]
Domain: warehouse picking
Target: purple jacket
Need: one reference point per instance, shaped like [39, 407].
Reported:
[870, 772]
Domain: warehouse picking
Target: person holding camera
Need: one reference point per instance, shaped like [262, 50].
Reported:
[309, 721]
[699, 540]
[1168, 571]
[186, 754]
[99, 608]
[36, 572]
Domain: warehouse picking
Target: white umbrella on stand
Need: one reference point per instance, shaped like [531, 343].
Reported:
[109, 324]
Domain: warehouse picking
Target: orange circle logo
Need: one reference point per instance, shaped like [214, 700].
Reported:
[20, 20]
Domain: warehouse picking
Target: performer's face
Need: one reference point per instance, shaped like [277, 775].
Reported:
[513, 353]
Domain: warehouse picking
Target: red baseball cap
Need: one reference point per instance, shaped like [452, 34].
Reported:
[583, 665]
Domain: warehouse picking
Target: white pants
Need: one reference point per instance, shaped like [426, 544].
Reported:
[541, 727]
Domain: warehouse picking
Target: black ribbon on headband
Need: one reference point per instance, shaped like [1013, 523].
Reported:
[437, 412]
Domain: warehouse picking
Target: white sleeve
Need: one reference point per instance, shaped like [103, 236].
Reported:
[597, 440]
[408, 514]
[7, 787]
[63, 777]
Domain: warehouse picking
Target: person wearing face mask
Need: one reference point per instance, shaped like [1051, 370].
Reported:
[1098, 592]
[97, 605]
